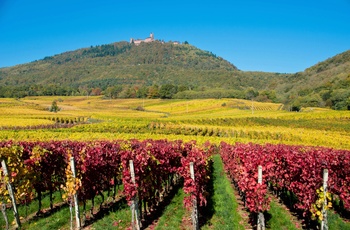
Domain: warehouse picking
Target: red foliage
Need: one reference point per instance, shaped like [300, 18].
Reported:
[298, 169]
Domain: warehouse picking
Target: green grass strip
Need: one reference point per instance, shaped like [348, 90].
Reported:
[335, 222]
[280, 218]
[225, 205]
[30, 210]
[173, 213]
[119, 217]
[58, 220]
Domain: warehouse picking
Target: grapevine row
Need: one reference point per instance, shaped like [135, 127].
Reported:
[38, 167]
[298, 169]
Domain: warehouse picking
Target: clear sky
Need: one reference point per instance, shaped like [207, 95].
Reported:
[284, 36]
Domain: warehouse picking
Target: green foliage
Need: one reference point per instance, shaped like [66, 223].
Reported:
[167, 91]
[340, 99]
[153, 92]
[296, 105]
[311, 100]
[251, 93]
[118, 69]
[113, 91]
[266, 96]
[54, 107]
[325, 84]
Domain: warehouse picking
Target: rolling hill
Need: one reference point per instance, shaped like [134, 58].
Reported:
[168, 70]
[326, 84]
[124, 64]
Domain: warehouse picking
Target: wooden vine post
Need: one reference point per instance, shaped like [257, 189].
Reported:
[261, 218]
[135, 215]
[12, 195]
[194, 214]
[75, 196]
[324, 223]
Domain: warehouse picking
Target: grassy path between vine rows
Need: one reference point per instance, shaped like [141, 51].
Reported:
[173, 213]
[220, 212]
[224, 203]
[230, 212]
[279, 217]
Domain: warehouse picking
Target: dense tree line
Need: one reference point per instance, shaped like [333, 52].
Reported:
[333, 94]
[166, 91]
[330, 97]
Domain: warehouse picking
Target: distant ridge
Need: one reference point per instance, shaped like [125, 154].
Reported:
[326, 84]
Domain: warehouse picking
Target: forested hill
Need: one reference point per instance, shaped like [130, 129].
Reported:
[120, 63]
[326, 84]
[128, 68]
[168, 70]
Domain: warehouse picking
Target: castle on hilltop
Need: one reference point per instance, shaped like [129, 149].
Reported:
[138, 41]
[148, 40]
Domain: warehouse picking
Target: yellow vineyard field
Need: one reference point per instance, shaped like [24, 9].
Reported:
[214, 120]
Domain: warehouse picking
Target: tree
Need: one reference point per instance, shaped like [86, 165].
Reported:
[312, 100]
[167, 91]
[340, 99]
[296, 105]
[142, 92]
[182, 88]
[113, 91]
[271, 94]
[250, 93]
[54, 107]
[153, 91]
[128, 92]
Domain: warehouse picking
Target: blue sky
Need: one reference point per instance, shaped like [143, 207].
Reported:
[284, 36]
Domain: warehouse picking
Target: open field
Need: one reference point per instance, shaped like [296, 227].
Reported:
[213, 120]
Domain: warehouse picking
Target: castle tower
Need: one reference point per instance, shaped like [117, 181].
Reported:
[151, 36]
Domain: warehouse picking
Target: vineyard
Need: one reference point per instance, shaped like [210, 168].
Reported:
[296, 169]
[146, 163]
[44, 167]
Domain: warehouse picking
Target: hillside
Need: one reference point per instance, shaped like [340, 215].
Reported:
[128, 66]
[326, 84]
[168, 70]
[119, 60]
[119, 63]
